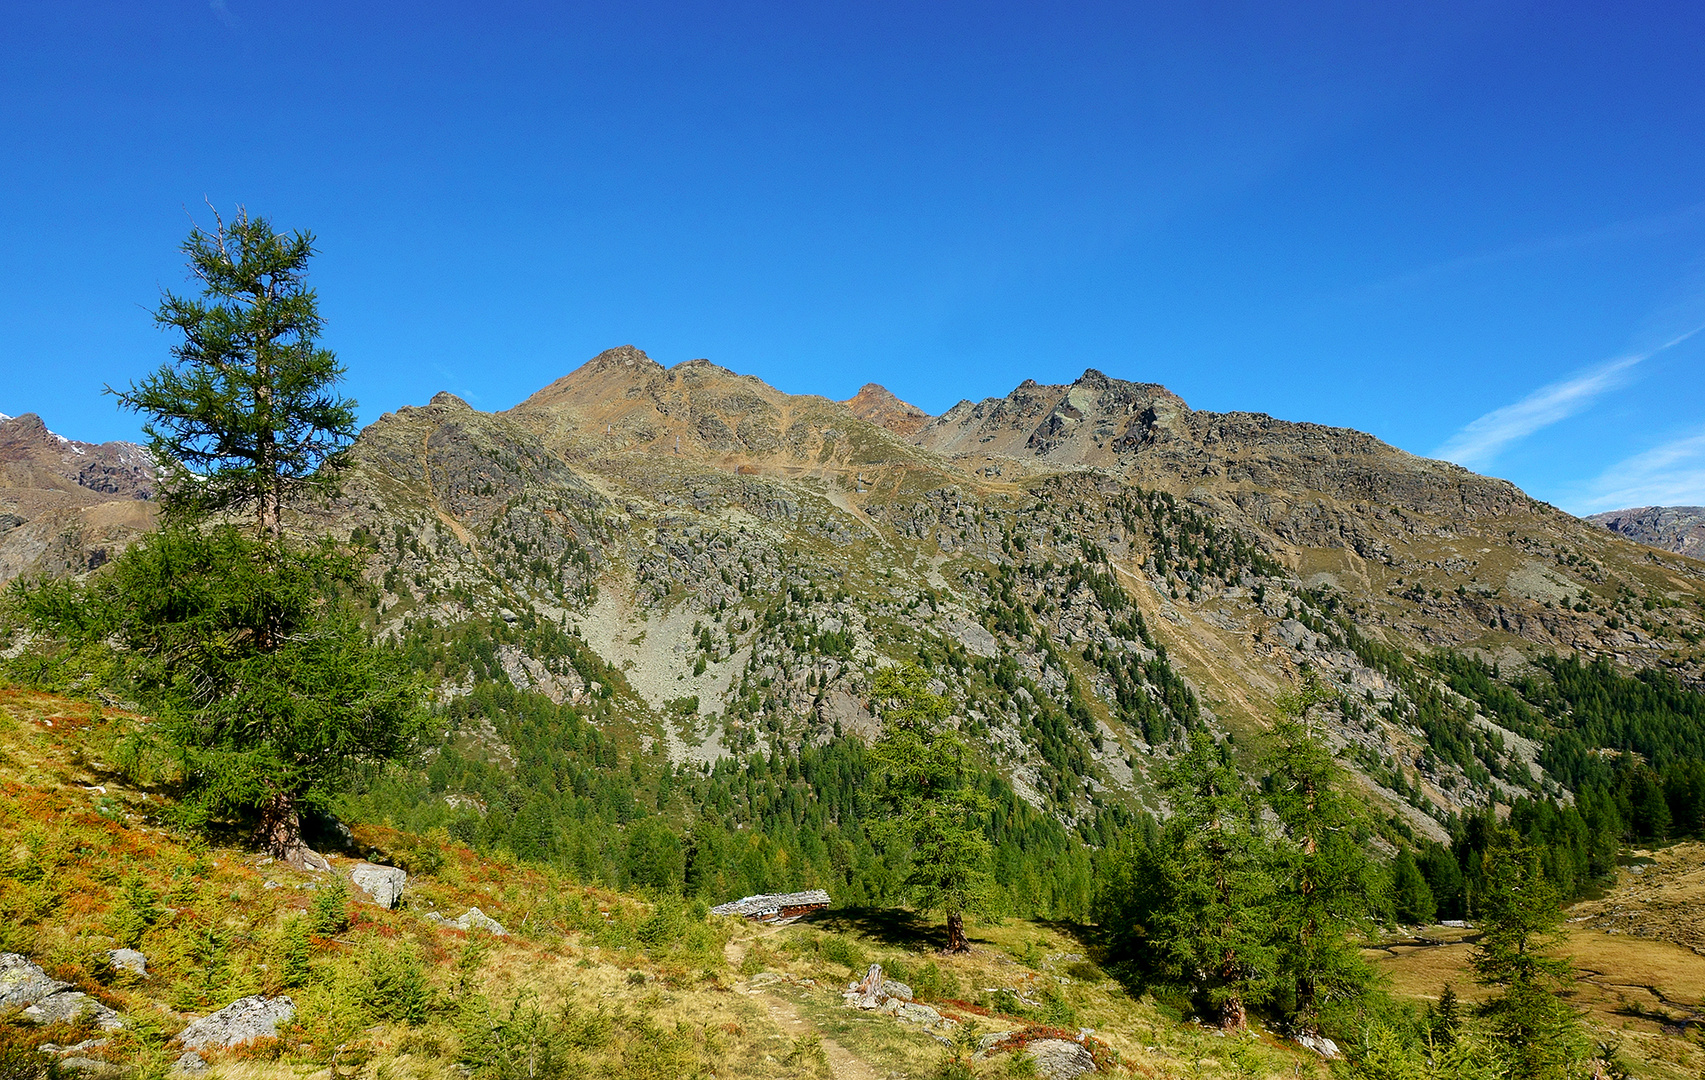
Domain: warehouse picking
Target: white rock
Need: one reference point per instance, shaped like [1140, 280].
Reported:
[475, 919]
[71, 1005]
[918, 1014]
[1321, 1045]
[245, 1019]
[1058, 1059]
[383, 883]
[23, 983]
[129, 960]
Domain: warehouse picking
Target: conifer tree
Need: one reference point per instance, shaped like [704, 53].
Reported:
[1214, 898]
[264, 682]
[1517, 954]
[1324, 880]
[248, 413]
[927, 773]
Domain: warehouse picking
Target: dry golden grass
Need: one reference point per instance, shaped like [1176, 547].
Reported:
[1647, 994]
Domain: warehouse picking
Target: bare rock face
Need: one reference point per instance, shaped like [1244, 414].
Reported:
[879, 406]
[68, 506]
[383, 883]
[241, 1021]
[1680, 529]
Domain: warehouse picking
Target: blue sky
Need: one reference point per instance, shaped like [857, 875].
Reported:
[1472, 229]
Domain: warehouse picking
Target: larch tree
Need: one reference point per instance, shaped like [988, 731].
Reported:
[1214, 893]
[247, 415]
[245, 647]
[927, 778]
[1518, 956]
[1324, 879]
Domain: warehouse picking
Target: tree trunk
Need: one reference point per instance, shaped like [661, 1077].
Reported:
[281, 834]
[956, 942]
[1307, 1020]
[1233, 1016]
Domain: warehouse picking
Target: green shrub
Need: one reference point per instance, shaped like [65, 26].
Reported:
[930, 982]
[842, 950]
[1084, 971]
[667, 925]
[521, 1042]
[393, 984]
[137, 909]
[329, 913]
[295, 954]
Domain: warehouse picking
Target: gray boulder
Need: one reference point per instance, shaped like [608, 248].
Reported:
[69, 1006]
[129, 960]
[918, 1014]
[1060, 1059]
[254, 1017]
[383, 883]
[1321, 1045]
[189, 1062]
[23, 983]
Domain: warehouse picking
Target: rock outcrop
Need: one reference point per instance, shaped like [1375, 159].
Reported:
[244, 1020]
[1680, 529]
[43, 999]
[383, 883]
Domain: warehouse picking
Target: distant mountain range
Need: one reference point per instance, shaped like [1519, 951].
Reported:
[1672, 528]
[1086, 567]
[66, 506]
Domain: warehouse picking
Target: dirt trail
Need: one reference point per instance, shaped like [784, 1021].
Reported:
[843, 1063]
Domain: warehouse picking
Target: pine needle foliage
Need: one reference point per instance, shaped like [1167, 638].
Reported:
[247, 414]
[1518, 955]
[927, 774]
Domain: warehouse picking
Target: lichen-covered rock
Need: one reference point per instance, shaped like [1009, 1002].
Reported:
[69, 1006]
[472, 919]
[248, 1018]
[918, 1014]
[23, 983]
[1060, 1059]
[1321, 1045]
[190, 1062]
[383, 883]
[129, 960]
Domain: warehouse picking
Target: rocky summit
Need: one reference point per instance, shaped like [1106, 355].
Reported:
[66, 506]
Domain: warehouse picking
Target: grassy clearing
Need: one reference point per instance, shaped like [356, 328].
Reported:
[1646, 994]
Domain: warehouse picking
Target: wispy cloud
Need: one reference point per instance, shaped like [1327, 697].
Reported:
[1481, 440]
[1617, 232]
[1672, 474]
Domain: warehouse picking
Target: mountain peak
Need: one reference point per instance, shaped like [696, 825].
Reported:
[622, 356]
[877, 404]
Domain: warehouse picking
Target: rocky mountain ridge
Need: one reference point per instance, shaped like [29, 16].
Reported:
[67, 506]
[717, 568]
[1087, 567]
[1680, 529]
